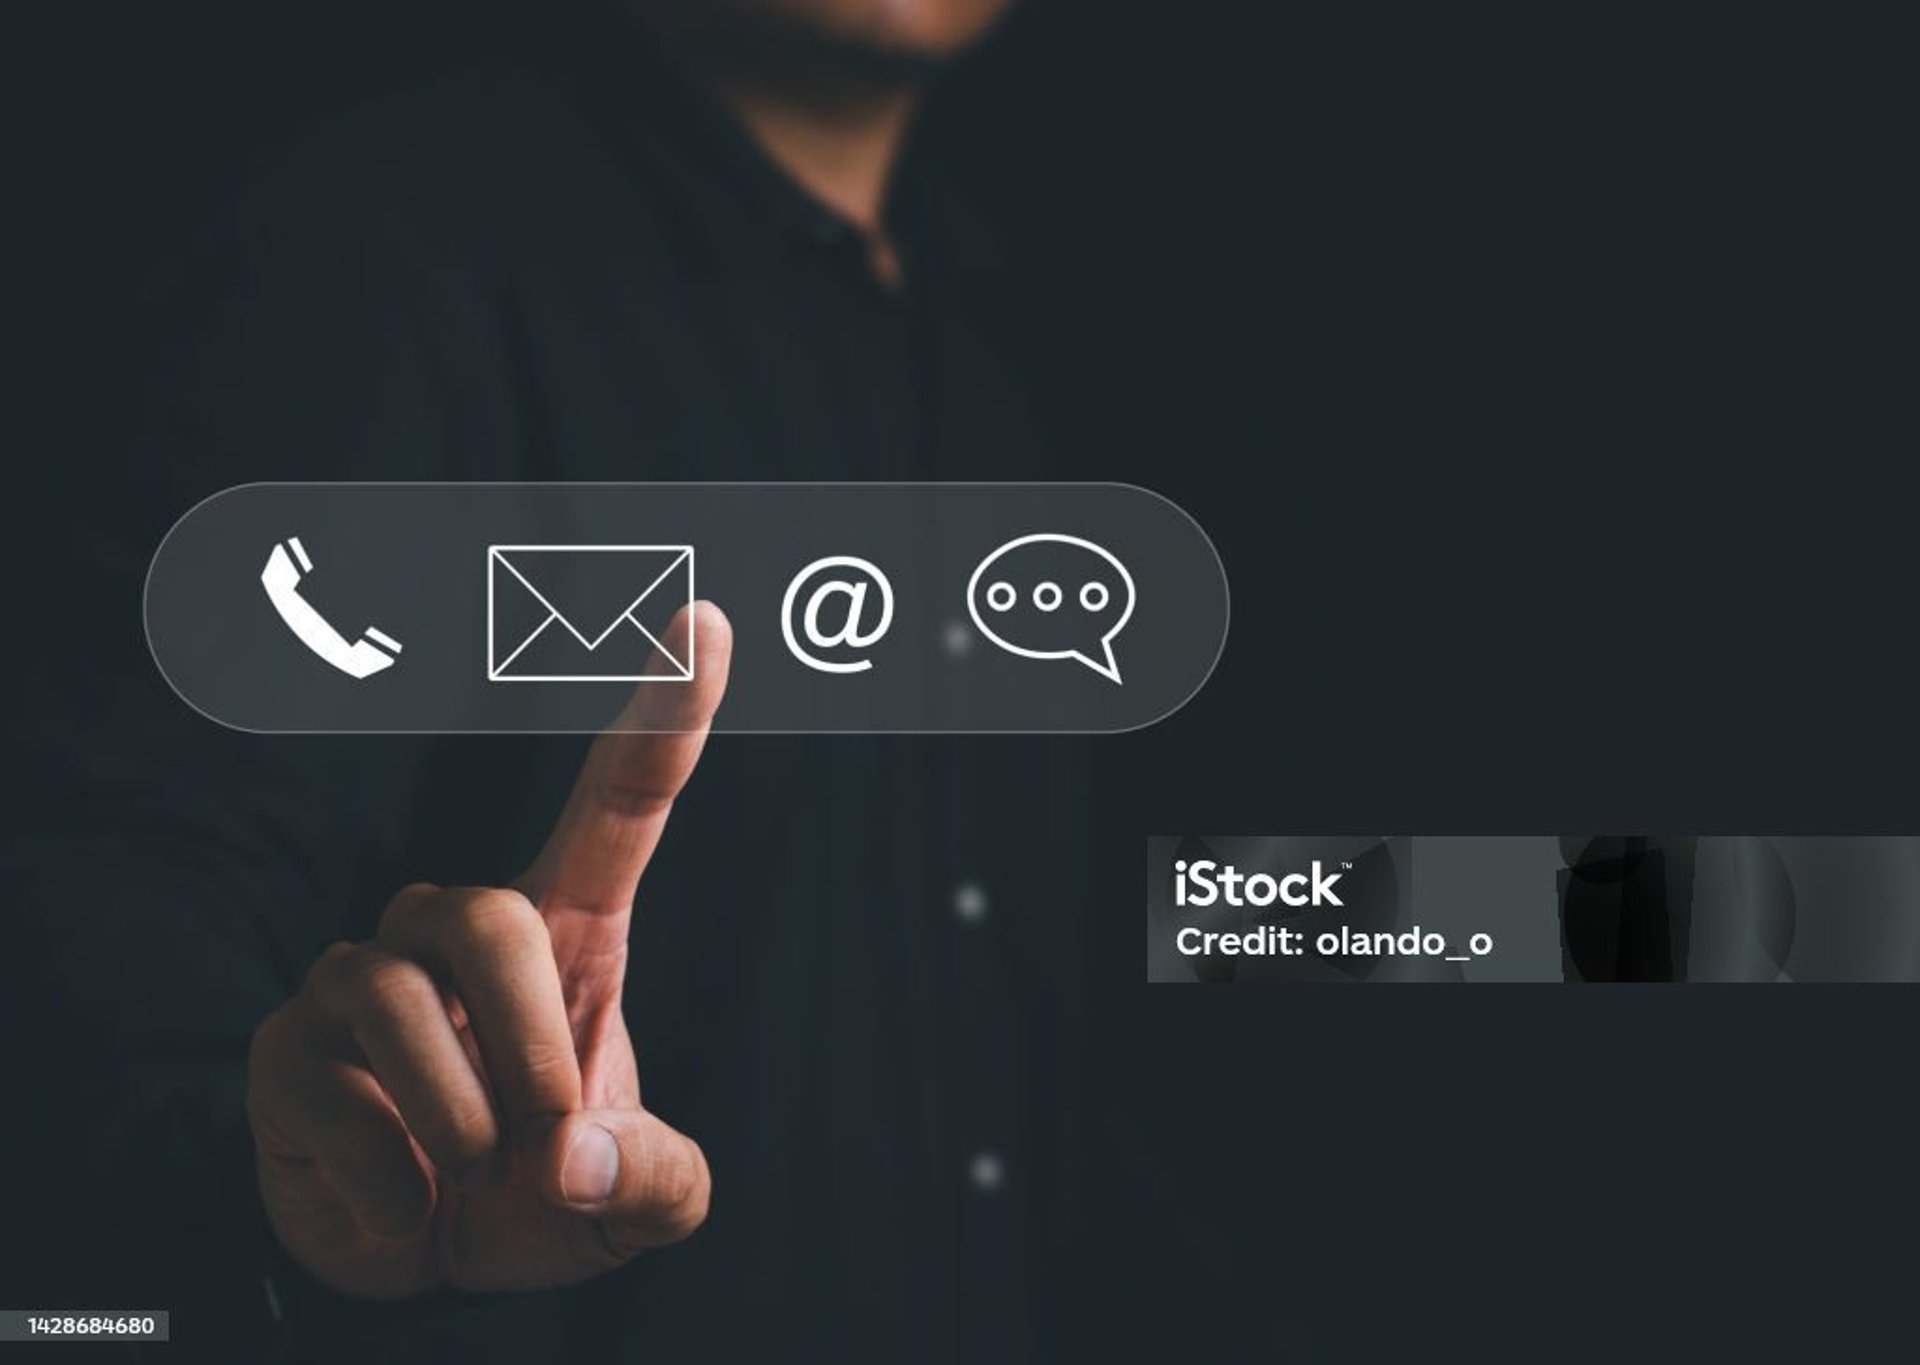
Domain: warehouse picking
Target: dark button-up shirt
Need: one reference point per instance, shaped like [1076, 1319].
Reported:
[857, 962]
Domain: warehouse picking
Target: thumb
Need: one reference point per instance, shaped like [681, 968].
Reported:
[645, 1182]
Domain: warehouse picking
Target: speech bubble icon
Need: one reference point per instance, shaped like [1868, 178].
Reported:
[1053, 596]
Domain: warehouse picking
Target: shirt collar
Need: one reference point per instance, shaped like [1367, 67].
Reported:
[672, 124]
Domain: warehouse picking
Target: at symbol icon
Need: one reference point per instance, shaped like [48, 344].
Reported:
[835, 612]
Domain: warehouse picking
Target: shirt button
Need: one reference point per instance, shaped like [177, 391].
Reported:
[969, 902]
[986, 1172]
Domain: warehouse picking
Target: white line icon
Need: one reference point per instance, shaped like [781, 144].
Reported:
[580, 613]
[1087, 634]
[859, 575]
[360, 658]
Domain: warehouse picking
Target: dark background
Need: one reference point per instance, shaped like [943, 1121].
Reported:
[1546, 383]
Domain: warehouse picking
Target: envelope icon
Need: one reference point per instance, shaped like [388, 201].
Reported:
[587, 613]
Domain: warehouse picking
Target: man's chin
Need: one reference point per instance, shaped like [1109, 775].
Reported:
[777, 39]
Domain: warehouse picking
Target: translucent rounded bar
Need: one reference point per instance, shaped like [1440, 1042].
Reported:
[536, 608]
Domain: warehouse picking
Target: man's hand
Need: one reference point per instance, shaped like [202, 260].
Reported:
[455, 1101]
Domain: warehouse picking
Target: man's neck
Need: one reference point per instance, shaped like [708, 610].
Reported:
[842, 153]
[837, 136]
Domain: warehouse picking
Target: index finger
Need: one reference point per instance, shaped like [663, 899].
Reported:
[614, 817]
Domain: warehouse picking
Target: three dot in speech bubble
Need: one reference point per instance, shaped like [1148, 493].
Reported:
[1102, 590]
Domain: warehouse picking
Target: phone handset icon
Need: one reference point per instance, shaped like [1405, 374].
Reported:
[357, 658]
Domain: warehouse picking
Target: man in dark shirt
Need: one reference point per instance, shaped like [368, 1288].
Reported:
[669, 249]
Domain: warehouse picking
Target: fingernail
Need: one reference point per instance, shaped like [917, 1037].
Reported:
[592, 1165]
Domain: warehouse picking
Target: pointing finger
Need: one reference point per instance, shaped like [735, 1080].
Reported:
[613, 820]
